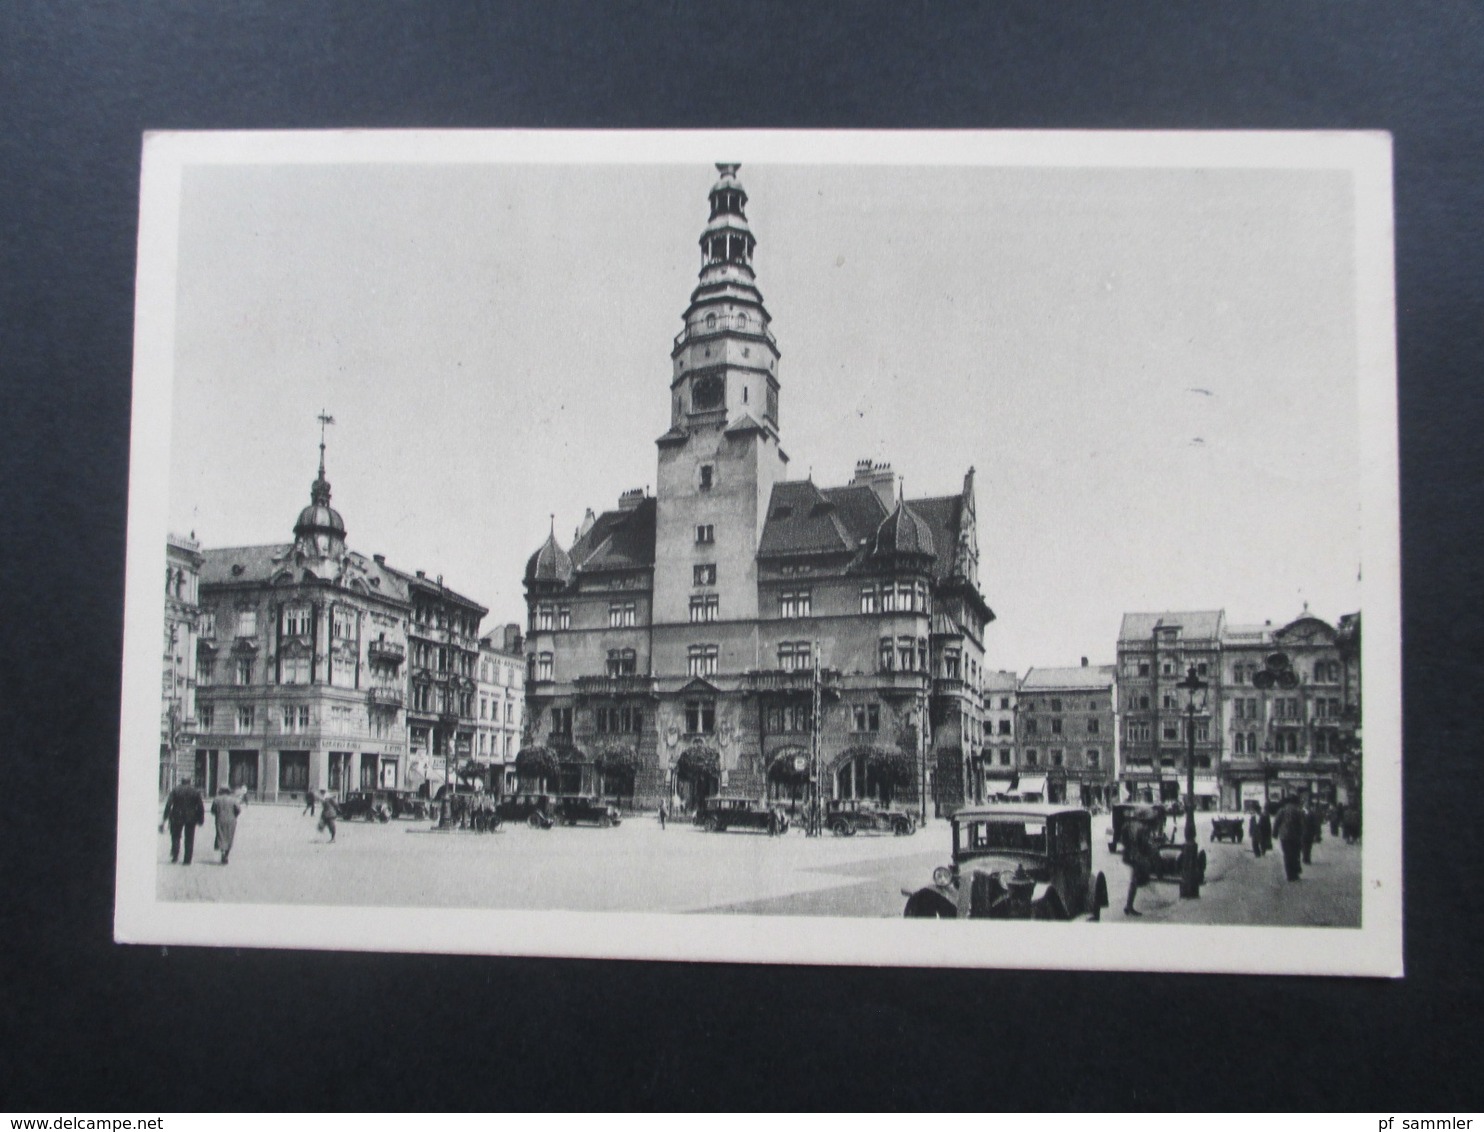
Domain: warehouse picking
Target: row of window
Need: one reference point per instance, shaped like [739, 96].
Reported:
[1094, 759]
[432, 698]
[1138, 731]
[441, 618]
[489, 708]
[1094, 725]
[1055, 703]
[1323, 672]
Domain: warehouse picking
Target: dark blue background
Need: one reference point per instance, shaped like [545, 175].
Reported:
[87, 1024]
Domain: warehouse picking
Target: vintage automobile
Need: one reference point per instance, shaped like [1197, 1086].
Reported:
[533, 809]
[1027, 862]
[1120, 811]
[718, 815]
[845, 817]
[384, 805]
[1228, 827]
[571, 809]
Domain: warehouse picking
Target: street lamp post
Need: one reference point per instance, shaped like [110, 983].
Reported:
[1190, 874]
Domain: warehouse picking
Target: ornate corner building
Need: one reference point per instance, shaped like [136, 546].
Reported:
[695, 637]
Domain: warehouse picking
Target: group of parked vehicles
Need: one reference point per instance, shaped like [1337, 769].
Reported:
[480, 812]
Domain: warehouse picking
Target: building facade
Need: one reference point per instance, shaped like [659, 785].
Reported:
[710, 635]
[996, 769]
[1069, 734]
[502, 693]
[178, 680]
[1155, 652]
[302, 664]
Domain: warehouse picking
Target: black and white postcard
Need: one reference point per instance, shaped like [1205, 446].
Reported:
[925, 549]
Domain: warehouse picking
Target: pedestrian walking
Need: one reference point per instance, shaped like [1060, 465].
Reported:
[1311, 832]
[1254, 834]
[1289, 829]
[308, 803]
[662, 813]
[1334, 819]
[329, 810]
[1139, 850]
[184, 811]
[1265, 830]
[225, 809]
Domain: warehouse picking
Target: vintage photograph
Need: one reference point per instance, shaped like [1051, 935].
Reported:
[749, 546]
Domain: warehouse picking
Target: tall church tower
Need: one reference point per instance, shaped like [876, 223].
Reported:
[720, 458]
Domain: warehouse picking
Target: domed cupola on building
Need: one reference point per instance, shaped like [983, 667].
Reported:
[725, 359]
[904, 535]
[319, 532]
[550, 568]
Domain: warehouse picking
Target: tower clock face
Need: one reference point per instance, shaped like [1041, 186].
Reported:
[708, 392]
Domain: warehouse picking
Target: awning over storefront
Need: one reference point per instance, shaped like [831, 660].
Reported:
[997, 785]
[1032, 784]
[1207, 789]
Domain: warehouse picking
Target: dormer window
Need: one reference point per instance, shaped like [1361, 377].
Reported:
[708, 477]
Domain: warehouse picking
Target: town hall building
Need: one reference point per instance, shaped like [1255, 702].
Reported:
[719, 635]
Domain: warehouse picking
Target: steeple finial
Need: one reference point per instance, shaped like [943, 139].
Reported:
[552, 517]
[324, 419]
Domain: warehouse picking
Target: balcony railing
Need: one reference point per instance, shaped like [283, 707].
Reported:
[387, 650]
[789, 680]
[625, 684]
[385, 697]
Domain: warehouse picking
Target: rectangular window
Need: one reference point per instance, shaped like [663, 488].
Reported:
[247, 622]
[343, 670]
[206, 626]
[701, 660]
[794, 603]
[1030, 727]
[1138, 732]
[1055, 704]
[1005, 757]
[794, 655]
[887, 655]
[1093, 726]
[1202, 731]
[704, 607]
[293, 770]
[245, 720]
[1056, 757]
[1031, 757]
[1004, 727]
[343, 623]
[1144, 668]
[868, 599]
[705, 533]
[205, 670]
[295, 669]
[704, 574]
[951, 663]
[564, 618]
[1056, 726]
[622, 615]
[867, 717]
[621, 662]
[545, 617]
[700, 717]
[296, 621]
[561, 721]
[1171, 732]
[543, 666]
[1094, 759]
[205, 716]
[708, 477]
[244, 670]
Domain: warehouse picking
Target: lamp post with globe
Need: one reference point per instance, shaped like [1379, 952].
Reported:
[1190, 870]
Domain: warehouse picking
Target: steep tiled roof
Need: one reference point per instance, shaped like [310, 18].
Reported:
[618, 540]
[261, 563]
[1204, 625]
[412, 580]
[1001, 681]
[941, 513]
[550, 563]
[1048, 679]
[860, 510]
[801, 520]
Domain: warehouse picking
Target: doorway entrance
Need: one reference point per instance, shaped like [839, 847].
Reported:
[242, 770]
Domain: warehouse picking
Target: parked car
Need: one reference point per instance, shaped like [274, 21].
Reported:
[533, 809]
[1027, 862]
[845, 817]
[1228, 827]
[721, 814]
[573, 808]
[384, 805]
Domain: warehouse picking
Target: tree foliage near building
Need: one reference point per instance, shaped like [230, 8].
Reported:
[618, 766]
[536, 763]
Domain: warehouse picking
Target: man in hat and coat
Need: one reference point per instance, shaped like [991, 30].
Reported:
[1139, 847]
[1289, 830]
[184, 811]
[225, 808]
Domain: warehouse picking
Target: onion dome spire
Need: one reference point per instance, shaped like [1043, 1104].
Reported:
[550, 565]
[904, 532]
[320, 531]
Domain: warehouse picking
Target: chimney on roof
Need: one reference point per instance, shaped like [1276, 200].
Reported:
[379, 559]
[511, 638]
[879, 478]
[1084, 662]
[587, 523]
[630, 499]
[422, 574]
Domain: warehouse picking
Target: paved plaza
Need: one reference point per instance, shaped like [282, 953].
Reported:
[280, 857]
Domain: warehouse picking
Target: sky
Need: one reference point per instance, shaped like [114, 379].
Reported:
[1152, 371]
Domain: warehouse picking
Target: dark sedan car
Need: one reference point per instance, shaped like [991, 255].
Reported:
[845, 817]
[721, 814]
[572, 809]
[533, 809]
[1016, 862]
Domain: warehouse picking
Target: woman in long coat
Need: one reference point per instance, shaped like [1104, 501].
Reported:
[224, 809]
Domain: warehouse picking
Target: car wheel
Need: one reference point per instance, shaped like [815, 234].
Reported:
[840, 829]
[711, 824]
[605, 822]
[534, 822]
